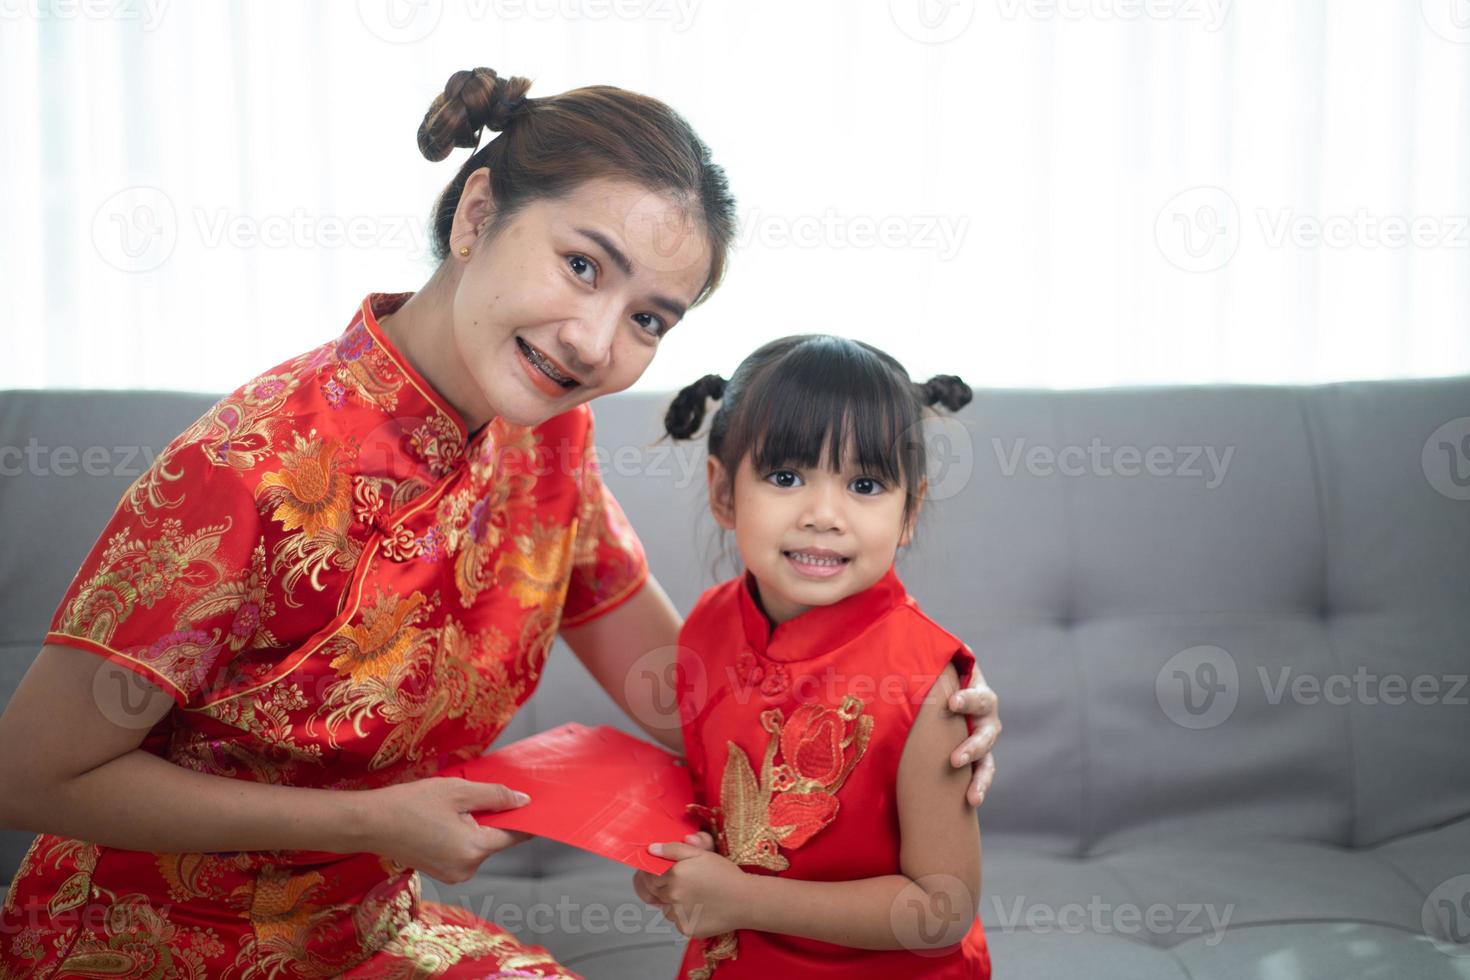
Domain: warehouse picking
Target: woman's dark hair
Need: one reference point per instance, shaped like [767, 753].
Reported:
[797, 394]
[548, 146]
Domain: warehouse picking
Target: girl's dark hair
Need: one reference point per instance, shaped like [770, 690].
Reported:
[796, 394]
[548, 146]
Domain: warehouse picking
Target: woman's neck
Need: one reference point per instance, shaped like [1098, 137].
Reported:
[423, 331]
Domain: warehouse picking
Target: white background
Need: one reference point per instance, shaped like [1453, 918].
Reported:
[1054, 193]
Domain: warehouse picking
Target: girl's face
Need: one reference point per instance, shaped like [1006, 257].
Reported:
[570, 297]
[810, 537]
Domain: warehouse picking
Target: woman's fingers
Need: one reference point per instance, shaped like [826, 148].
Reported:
[978, 745]
[701, 839]
[980, 782]
[478, 797]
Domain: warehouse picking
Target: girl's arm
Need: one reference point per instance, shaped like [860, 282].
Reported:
[631, 652]
[930, 906]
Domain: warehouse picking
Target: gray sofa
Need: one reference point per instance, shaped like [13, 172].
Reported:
[1230, 627]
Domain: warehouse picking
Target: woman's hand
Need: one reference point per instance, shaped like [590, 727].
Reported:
[982, 704]
[427, 825]
[702, 894]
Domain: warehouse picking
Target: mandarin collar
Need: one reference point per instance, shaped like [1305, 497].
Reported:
[438, 436]
[820, 629]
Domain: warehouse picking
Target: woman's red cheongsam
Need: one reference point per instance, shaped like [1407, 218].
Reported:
[794, 738]
[341, 588]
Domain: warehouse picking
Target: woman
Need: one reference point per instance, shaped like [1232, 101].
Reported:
[348, 573]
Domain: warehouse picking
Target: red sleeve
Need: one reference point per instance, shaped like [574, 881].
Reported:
[175, 585]
[608, 563]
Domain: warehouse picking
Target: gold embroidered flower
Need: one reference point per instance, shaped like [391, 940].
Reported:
[310, 491]
[382, 640]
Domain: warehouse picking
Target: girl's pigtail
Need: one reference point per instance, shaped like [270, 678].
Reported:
[686, 414]
[947, 390]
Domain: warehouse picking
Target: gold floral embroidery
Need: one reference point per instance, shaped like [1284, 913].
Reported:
[312, 496]
[417, 679]
[791, 802]
[475, 519]
[138, 940]
[134, 573]
[234, 433]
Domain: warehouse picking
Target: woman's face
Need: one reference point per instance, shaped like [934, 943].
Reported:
[569, 298]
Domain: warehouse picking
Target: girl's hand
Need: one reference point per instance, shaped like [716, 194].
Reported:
[981, 703]
[427, 825]
[702, 894]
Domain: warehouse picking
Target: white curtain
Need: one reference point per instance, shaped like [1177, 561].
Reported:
[1056, 193]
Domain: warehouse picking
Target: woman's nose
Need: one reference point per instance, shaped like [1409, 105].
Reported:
[589, 339]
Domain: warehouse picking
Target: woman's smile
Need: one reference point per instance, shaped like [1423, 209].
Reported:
[544, 372]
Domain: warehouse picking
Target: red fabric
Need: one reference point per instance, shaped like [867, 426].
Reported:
[794, 738]
[341, 588]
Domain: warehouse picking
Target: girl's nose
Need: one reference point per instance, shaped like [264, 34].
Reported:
[824, 507]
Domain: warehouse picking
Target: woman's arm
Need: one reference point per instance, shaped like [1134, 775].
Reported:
[632, 652]
[930, 906]
[70, 764]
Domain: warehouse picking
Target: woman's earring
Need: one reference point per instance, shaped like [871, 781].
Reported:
[464, 250]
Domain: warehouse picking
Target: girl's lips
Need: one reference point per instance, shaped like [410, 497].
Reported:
[819, 569]
[539, 377]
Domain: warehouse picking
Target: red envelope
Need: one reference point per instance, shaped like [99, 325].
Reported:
[593, 788]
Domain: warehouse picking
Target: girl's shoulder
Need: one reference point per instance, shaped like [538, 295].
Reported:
[930, 645]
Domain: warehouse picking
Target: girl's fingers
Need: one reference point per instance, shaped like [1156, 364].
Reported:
[701, 840]
[675, 850]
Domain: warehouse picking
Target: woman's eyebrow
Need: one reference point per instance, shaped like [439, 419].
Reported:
[626, 264]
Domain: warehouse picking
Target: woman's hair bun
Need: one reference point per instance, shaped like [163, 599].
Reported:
[471, 100]
[686, 414]
[947, 390]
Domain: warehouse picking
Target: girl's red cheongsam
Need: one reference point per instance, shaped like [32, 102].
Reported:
[342, 589]
[793, 739]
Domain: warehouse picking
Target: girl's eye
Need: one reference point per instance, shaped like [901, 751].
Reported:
[580, 264]
[867, 486]
[783, 478]
[657, 328]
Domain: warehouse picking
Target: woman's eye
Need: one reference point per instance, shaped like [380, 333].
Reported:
[784, 478]
[867, 486]
[580, 264]
[645, 319]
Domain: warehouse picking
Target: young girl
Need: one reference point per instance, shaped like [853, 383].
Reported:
[813, 689]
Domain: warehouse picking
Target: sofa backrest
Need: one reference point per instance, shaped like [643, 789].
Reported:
[1224, 609]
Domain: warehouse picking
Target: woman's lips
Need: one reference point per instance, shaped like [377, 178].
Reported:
[538, 368]
[816, 563]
